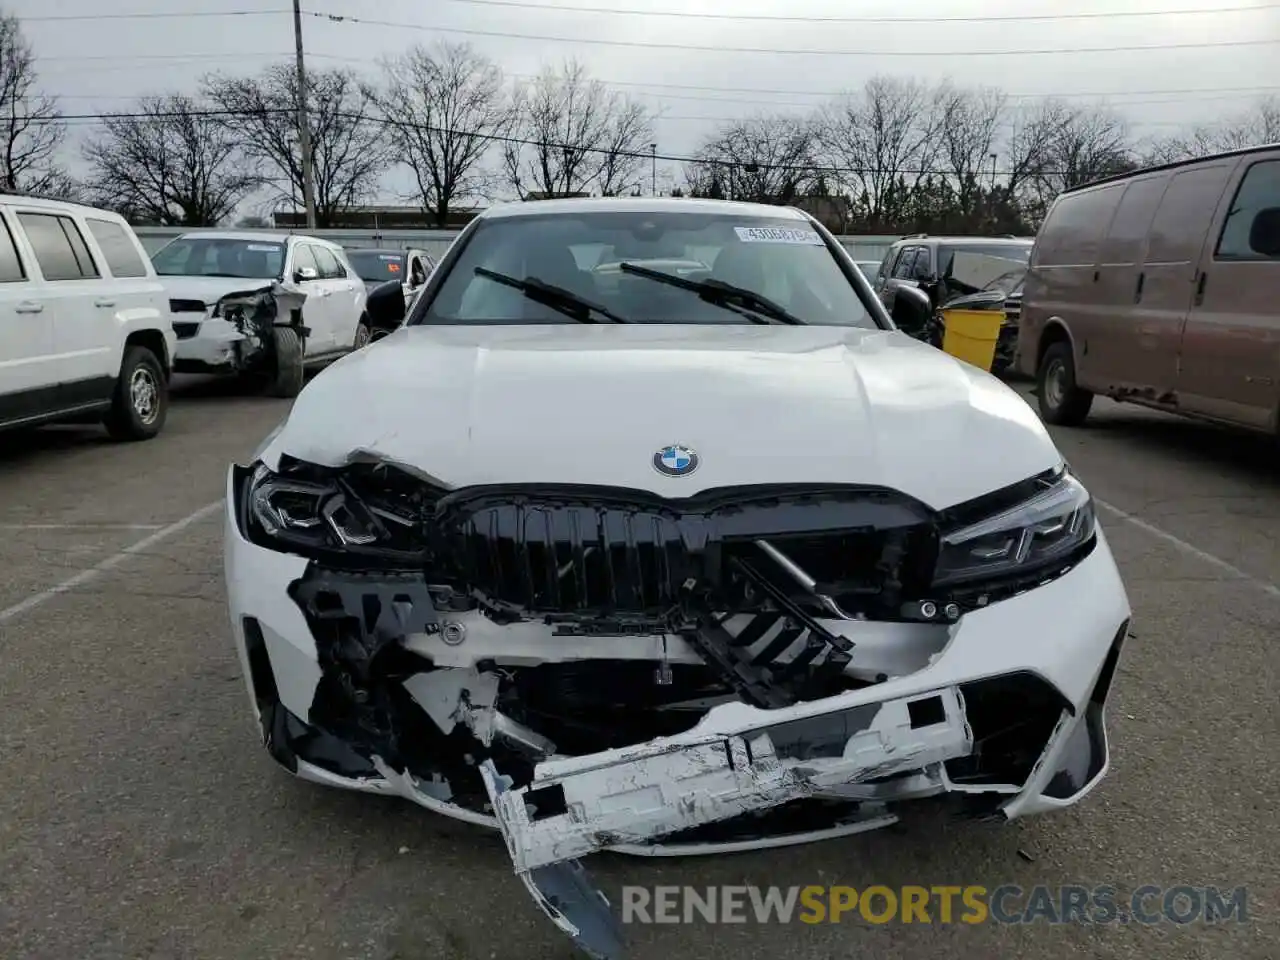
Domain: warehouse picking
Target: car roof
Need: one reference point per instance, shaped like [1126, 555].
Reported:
[263, 236]
[52, 203]
[1011, 241]
[393, 251]
[641, 205]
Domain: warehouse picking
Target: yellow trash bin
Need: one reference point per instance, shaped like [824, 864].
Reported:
[971, 335]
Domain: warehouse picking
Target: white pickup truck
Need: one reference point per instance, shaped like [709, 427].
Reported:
[85, 333]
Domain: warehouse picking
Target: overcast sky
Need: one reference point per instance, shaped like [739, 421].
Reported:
[96, 65]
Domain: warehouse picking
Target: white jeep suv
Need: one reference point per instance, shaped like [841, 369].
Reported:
[84, 328]
[252, 303]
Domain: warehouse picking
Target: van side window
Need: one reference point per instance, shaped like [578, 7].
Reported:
[117, 247]
[11, 269]
[60, 249]
[1259, 190]
[1074, 228]
[1178, 230]
[1130, 225]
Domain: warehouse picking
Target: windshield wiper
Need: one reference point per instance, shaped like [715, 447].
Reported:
[722, 294]
[557, 298]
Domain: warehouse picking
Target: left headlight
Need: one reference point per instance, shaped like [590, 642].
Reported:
[1044, 530]
[307, 509]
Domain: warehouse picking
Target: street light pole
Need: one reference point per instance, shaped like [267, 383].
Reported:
[653, 173]
[304, 128]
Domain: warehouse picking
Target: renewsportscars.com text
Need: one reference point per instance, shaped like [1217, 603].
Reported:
[973, 904]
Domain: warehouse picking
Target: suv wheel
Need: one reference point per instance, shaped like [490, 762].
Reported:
[288, 378]
[363, 334]
[1062, 403]
[141, 401]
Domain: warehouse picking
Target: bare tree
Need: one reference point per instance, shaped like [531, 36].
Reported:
[1078, 144]
[445, 107]
[350, 147]
[1258, 125]
[767, 159]
[168, 161]
[577, 134]
[969, 132]
[31, 127]
[886, 140]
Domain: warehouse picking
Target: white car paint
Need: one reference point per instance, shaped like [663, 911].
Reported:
[461, 407]
[877, 405]
[63, 339]
[332, 309]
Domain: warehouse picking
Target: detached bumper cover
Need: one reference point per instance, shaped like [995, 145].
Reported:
[632, 796]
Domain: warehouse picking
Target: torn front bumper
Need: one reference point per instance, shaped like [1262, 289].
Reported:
[928, 721]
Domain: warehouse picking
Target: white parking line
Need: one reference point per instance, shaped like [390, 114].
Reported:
[91, 573]
[15, 527]
[1179, 543]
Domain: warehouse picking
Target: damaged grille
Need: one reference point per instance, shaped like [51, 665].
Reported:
[566, 552]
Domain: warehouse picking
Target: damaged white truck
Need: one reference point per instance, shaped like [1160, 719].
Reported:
[668, 561]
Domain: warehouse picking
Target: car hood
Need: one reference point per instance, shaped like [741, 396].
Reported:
[210, 289]
[564, 403]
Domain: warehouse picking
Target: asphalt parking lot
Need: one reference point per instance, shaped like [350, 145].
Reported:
[140, 818]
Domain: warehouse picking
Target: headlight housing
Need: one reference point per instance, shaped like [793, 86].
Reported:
[310, 510]
[1051, 527]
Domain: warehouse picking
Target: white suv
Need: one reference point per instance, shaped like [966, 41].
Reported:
[84, 328]
[253, 302]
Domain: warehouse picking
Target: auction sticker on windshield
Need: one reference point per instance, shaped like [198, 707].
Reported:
[778, 235]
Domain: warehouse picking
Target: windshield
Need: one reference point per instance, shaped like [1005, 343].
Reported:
[785, 261]
[973, 267]
[220, 257]
[374, 265]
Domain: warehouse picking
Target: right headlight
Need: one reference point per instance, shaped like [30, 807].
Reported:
[1041, 531]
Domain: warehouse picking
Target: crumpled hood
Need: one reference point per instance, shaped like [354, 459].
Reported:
[209, 290]
[581, 404]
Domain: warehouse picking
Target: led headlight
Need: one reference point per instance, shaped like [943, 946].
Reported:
[313, 510]
[1039, 532]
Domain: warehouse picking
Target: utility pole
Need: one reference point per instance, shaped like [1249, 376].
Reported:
[653, 174]
[304, 128]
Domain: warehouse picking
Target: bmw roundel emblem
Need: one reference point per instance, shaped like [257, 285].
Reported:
[676, 460]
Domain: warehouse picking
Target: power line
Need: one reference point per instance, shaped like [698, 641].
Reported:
[701, 48]
[165, 15]
[816, 169]
[747, 17]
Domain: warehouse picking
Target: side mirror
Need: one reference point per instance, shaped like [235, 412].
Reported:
[911, 310]
[1264, 234]
[303, 274]
[385, 306]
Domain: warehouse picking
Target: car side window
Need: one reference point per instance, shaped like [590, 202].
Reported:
[922, 268]
[1258, 191]
[11, 269]
[303, 258]
[328, 264]
[904, 268]
[60, 249]
[117, 248]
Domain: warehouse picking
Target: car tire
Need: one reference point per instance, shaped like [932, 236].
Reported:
[288, 376]
[1061, 402]
[364, 335]
[140, 404]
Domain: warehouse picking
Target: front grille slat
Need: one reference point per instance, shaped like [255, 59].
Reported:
[571, 553]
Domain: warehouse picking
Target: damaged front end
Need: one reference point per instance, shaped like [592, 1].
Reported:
[591, 668]
[240, 334]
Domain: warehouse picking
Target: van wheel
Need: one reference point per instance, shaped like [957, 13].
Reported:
[1062, 403]
[141, 401]
[287, 379]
